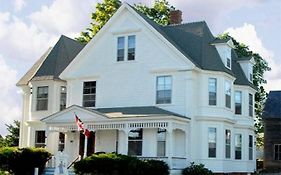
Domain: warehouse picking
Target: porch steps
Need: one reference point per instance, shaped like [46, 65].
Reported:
[51, 171]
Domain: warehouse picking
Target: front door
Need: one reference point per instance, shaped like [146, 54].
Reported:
[90, 145]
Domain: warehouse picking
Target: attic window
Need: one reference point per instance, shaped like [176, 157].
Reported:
[251, 77]
[228, 64]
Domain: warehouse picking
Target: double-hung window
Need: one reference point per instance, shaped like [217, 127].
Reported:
[89, 94]
[62, 97]
[61, 141]
[126, 48]
[277, 152]
[212, 142]
[251, 105]
[227, 94]
[40, 138]
[227, 143]
[238, 102]
[228, 63]
[238, 146]
[212, 91]
[135, 142]
[161, 142]
[42, 98]
[164, 89]
[251, 147]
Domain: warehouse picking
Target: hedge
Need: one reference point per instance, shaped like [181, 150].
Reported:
[194, 169]
[22, 161]
[117, 164]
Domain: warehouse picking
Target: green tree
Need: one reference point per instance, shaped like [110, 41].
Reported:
[160, 13]
[12, 139]
[259, 69]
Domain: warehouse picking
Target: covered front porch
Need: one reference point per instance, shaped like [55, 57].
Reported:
[154, 134]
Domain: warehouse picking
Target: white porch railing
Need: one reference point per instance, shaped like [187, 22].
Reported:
[51, 162]
[177, 162]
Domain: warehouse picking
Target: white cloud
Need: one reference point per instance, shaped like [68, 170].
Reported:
[247, 34]
[63, 16]
[19, 4]
[10, 108]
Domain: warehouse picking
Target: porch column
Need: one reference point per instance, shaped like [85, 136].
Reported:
[169, 150]
[123, 141]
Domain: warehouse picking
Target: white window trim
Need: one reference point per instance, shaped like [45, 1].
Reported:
[126, 44]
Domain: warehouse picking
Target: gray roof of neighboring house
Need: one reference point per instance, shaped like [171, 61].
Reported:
[54, 61]
[140, 111]
[218, 40]
[272, 108]
[193, 40]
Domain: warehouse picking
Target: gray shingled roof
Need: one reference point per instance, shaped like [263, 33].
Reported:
[272, 107]
[59, 58]
[194, 40]
[54, 61]
[138, 111]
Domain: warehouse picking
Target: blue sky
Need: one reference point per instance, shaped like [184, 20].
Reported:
[30, 27]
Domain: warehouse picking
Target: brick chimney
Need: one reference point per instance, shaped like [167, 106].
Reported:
[175, 17]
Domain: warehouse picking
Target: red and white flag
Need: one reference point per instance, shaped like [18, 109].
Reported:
[79, 123]
[80, 126]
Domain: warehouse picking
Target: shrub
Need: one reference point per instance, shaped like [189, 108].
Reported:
[117, 164]
[22, 161]
[196, 169]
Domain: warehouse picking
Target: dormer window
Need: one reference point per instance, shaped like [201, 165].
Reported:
[126, 47]
[228, 63]
[251, 77]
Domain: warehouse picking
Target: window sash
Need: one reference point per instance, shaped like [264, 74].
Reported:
[42, 98]
[277, 152]
[40, 138]
[161, 142]
[250, 147]
[163, 89]
[251, 105]
[228, 64]
[135, 138]
[227, 94]
[238, 102]
[89, 94]
[212, 139]
[212, 91]
[121, 48]
[131, 47]
[238, 146]
[63, 98]
[227, 143]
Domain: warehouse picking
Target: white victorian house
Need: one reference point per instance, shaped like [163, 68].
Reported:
[174, 93]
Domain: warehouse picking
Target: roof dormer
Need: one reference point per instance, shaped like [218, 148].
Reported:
[224, 47]
[247, 64]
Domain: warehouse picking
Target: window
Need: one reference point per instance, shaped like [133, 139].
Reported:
[228, 62]
[251, 77]
[250, 147]
[251, 105]
[61, 141]
[277, 152]
[62, 97]
[42, 98]
[227, 94]
[164, 90]
[120, 48]
[40, 139]
[238, 146]
[131, 47]
[227, 143]
[212, 136]
[89, 94]
[238, 102]
[161, 142]
[135, 142]
[212, 91]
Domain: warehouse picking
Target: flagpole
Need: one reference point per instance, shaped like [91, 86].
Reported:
[85, 147]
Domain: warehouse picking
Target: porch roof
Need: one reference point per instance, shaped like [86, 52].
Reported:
[136, 111]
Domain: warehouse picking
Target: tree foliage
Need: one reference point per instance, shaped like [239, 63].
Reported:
[259, 70]
[12, 139]
[160, 13]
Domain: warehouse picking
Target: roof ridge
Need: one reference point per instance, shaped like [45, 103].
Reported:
[186, 23]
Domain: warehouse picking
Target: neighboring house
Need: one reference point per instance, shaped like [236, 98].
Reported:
[272, 131]
[174, 93]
